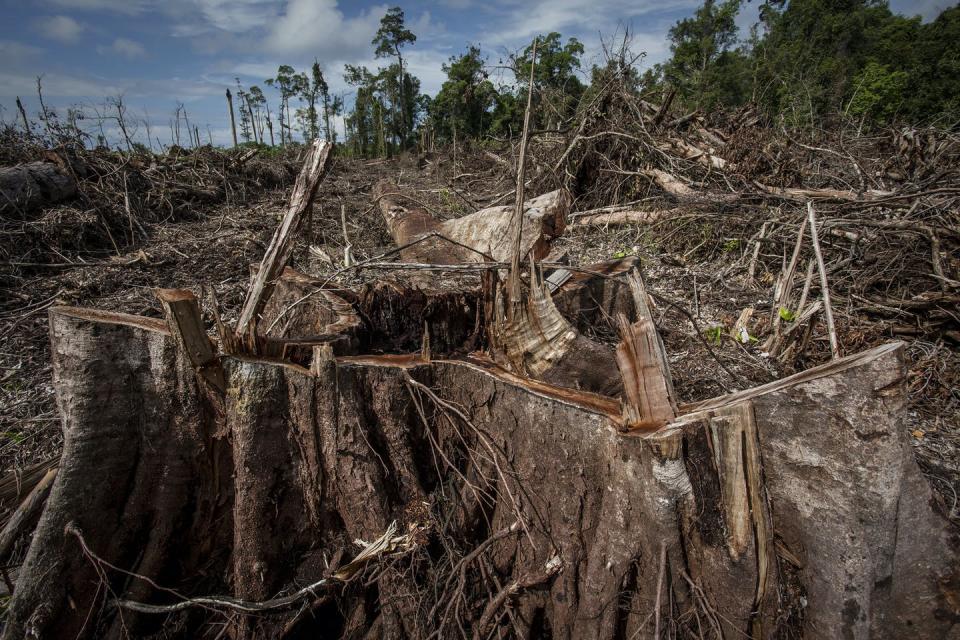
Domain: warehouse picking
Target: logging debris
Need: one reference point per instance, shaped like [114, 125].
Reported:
[724, 253]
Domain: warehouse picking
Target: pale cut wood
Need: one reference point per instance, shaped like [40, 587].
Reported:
[641, 304]
[182, 310]
[823, 194]
[617, 218]
[281, 245]
[682, 192]
[824, 288]
[477, 237]
[532, 339]
[646, 393]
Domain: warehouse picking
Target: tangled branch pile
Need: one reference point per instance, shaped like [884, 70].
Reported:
[69, 201]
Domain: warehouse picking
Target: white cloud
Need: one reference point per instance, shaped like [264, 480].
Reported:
[520, 21]
[55, 85]
[124, 47]
[60, 28]
[235, 16]
[320, 28]
[11, 50]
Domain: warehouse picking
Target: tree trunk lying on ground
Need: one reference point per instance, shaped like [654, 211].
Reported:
[484, 235]
[34, 185]
[411, 461]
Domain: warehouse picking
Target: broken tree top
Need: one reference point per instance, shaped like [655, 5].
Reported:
[408, 460]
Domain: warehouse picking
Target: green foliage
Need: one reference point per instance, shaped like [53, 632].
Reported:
[290, 84]
[704, 68]
[403, 89]
[466, 100]
[787, 315]
[810, 60]
[879, 92]
[557, 89]
[392, 34]
[714, 334]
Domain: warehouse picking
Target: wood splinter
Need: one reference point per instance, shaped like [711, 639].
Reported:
[182, 311]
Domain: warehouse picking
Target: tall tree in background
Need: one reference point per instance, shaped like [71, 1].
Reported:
[390, 38]
[258, 104]
[313, 89]
[290, 84]
[364, 124]
[465, 99]
[704, 65]
[558, 89]
[332, 107]
[245, 117]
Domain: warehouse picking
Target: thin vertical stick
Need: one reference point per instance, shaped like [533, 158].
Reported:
[521, 179]
[281, 245]
[23, 116]
[827, 308]
[756, 253]
[347, 248]
[656, 611]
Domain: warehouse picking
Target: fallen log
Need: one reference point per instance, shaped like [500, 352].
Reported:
[683, 192]
[627, 217]
[476, 237]
[793, 193]
[34, 185]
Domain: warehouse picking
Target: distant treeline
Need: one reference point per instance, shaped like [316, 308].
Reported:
[813, 60]
[805, 63]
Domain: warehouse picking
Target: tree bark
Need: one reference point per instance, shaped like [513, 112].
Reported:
[750, 511]
[34, 185]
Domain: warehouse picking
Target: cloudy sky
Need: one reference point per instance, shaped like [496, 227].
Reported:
[158, 52]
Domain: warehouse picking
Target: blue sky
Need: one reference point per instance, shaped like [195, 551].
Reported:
[158, 52]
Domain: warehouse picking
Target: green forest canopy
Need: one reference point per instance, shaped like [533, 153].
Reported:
[805, 63]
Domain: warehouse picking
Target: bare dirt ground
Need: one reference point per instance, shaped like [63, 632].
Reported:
[697, 265]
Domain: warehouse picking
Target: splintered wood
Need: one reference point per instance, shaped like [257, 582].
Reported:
[646, 402]
[281, 245]
[478, 237]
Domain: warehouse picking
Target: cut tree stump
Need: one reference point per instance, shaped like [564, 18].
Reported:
[791, 509]
[447, 459]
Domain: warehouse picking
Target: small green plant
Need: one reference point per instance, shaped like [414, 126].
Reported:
[731, 245]
[450, 202]
[715, 334]
[12, 435]
[786, 315]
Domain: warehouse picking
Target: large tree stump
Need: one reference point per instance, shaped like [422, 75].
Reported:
[792, 509]
[418, 460]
